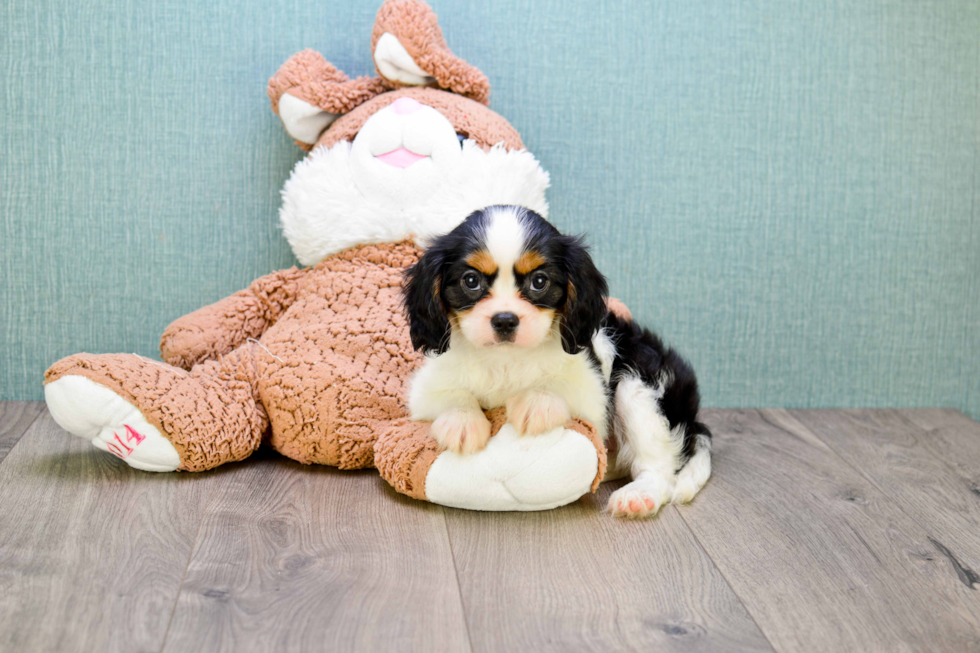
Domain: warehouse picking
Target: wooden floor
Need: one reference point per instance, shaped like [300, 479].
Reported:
[819, 531]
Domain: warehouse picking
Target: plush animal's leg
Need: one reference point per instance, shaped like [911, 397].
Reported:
[650, 449]
[332, 413]
[94, 412]
[157, 417]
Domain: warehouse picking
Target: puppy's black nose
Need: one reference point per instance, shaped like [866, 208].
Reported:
[504, 323]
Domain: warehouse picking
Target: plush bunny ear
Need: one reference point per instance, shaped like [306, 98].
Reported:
[409, 50]
[308, 93]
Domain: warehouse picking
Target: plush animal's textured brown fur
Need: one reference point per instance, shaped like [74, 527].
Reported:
[416, 27]
[327, 371]
[218, 329]
[313, 79]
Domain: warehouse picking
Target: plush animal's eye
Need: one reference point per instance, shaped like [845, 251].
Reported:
[539, 281]
[460, 138]
[471, 281]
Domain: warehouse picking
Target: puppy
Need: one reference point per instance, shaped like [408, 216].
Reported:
[512, 313]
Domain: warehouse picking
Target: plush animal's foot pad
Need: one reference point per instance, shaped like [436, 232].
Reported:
[643, 497]
[516, 473]
[91, 411]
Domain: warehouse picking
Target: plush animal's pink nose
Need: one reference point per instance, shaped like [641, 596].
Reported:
[406, 105]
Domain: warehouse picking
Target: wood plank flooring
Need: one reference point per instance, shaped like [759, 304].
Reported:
[290, 558]
[92, 552]
[15, 417]
[820, 530]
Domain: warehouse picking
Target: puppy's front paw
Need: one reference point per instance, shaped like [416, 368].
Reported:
[462, 430]
[535, 412]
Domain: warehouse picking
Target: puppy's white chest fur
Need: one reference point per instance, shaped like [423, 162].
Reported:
[491, 375]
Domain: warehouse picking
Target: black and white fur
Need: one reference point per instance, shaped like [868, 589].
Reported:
[512, 313]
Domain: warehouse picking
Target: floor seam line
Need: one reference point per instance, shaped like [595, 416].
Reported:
[459, 587]
[183, 578]
[924, 431]
[727, 582]
[44, 409]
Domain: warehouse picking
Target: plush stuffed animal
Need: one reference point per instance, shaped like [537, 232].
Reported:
[315, 361]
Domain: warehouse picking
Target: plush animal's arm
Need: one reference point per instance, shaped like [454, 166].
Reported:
[218, 329]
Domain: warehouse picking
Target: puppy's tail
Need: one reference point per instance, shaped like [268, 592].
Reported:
[695, 473]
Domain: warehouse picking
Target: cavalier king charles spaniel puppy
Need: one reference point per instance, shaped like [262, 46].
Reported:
[512, 313]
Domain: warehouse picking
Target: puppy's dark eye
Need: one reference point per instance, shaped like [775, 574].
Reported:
[471, 281]
[460, 138]
[539, 282]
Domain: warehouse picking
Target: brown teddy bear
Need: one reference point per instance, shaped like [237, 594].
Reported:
[315, 361]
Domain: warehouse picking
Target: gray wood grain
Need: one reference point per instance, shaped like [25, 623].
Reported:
[91, 551]
[297, 558]
[898, 458]
[15, 417]
[953, 437]
[820, 557]
[576, 579]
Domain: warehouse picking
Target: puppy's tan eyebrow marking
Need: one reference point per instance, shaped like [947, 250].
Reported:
[482, 261]
[528, 261]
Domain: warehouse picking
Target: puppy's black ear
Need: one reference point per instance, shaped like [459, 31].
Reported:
[585, 303]
[428, 324]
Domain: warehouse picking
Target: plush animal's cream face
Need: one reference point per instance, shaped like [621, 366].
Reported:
[404, 152]
[406, 174]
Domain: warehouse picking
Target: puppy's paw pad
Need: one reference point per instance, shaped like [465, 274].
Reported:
[632, 505]
[462, 431]
[536, 412]
[637, 500]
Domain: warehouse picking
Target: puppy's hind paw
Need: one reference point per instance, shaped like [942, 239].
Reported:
[642, 498]
[462, 430]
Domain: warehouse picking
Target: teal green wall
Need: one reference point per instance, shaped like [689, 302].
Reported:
[787, 190]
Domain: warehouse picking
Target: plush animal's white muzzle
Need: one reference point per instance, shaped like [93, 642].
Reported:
[405, 152]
